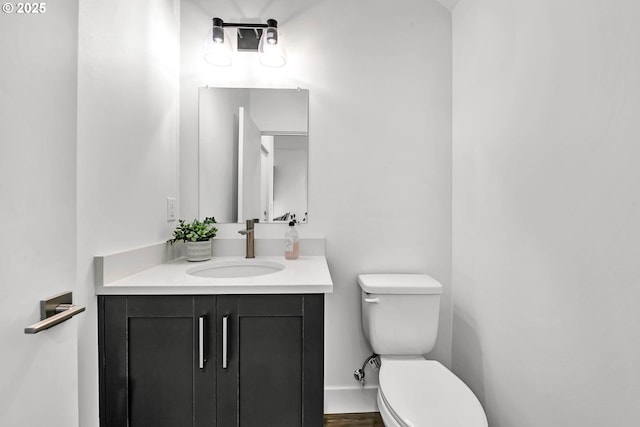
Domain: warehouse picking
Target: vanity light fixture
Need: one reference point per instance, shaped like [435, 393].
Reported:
[263, 38]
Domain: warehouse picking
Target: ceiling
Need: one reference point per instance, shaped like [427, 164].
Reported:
[449, 4]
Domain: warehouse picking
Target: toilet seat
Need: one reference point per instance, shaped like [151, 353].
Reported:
[423, 393]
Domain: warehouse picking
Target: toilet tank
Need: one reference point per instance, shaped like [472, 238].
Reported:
[400, 312]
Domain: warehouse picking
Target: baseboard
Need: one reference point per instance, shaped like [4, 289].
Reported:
[343, 400]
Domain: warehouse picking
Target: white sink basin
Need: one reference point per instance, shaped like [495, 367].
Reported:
[236, 268]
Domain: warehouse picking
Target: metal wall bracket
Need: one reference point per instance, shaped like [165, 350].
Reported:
[53, 311]
[249, 39]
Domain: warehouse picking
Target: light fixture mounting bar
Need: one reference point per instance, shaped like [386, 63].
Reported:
[240, 25]
[270, 23]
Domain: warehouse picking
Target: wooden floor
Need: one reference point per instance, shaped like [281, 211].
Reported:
[369, 419]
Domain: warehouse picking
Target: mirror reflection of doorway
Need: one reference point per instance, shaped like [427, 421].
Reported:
[247, 139]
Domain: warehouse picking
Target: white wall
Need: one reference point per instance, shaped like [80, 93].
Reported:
[38, 55]
[128, 70]
[379, 146]
[218, 137]
[290, 176]
[278, 111]
[546, 210]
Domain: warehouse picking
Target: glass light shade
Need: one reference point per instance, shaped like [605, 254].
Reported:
[271, 48]
[217, 34]
[216, 52]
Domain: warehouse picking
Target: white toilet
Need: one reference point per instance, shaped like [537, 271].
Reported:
[400, 320]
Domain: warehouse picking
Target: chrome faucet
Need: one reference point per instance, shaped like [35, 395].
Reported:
[249, 232]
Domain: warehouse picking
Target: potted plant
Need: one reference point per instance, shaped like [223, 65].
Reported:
[197, 236]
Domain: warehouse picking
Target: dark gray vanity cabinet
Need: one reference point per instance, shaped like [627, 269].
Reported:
[225, 361]
[149, 361]
[274, 364]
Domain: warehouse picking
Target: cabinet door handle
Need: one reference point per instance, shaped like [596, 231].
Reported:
[225, 341]
[201, 356]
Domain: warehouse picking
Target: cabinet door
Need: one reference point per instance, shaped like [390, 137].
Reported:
[151, 372]
[274, 360]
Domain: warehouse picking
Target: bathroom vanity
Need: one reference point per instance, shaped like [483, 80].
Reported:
[230, 342]
[214, 360]
[178, 349]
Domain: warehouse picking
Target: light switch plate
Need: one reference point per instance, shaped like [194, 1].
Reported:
[171, 208]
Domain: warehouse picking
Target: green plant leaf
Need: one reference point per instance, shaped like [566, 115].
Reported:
[194, 231]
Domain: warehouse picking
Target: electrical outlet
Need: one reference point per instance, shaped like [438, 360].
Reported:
[171, 208]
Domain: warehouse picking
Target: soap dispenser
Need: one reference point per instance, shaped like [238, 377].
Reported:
[291, 243]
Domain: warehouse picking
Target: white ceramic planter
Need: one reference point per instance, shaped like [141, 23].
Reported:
[198, 251]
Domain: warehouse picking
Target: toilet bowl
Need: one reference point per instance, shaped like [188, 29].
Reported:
[423, 393]
[400, 321]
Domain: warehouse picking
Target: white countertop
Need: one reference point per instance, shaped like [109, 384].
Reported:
[307, 274]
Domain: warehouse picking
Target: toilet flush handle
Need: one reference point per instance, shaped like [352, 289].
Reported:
[372, 300]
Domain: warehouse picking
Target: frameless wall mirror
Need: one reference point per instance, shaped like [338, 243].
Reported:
[253, 154]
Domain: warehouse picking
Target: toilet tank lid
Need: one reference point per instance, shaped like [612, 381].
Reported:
[399, 284]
